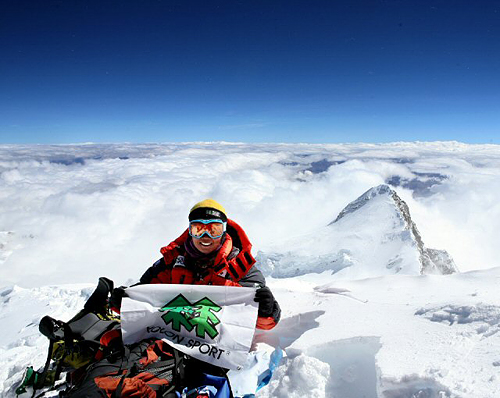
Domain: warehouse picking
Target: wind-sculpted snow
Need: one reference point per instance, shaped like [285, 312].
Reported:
[413, 386]
[302, 376]
[486, 317]
[290, 264]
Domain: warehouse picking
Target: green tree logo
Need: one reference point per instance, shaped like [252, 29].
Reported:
[199, 316]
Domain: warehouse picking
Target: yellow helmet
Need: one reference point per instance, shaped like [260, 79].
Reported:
[207, 209]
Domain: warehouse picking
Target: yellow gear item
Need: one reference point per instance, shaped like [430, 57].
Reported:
[74, 358]
[208, 203]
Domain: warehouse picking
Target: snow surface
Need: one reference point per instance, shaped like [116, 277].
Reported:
[393, 336]
[351, 325]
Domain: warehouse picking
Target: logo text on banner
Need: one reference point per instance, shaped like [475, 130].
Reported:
[212, 323]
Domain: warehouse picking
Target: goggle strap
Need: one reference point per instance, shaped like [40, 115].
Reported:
[208, 221]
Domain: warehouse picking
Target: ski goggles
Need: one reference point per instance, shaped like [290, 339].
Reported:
[213, 228]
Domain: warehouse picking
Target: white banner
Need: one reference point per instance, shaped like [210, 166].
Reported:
[214, 324]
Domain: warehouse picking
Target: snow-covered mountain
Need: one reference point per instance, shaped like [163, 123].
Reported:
[373, 235]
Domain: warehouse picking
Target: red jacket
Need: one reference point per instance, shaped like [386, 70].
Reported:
[232, 265]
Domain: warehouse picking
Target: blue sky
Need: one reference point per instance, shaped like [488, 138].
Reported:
[255, 71]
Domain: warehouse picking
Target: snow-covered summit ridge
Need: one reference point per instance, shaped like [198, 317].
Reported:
[363, 199]
[374, 235]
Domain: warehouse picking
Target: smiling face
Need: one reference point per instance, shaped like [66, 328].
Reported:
[206, 244]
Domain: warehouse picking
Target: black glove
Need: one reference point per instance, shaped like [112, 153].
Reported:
[266, 301]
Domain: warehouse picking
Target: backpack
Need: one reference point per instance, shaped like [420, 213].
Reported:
[86, 337]
[148, 369]
[90, 350]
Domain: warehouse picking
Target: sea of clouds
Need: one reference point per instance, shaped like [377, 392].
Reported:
[72, 213]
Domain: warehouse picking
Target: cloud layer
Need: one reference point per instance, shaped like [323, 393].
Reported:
[75, 212]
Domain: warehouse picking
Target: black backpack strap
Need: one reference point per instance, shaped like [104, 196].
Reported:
[118, 391]
[179, 373]
[54, 330]
[42, 376]
[68, 345]
[97, 302]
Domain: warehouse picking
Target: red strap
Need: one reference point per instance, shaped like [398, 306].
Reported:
[224, 250]
[239, 266]
[105, 339]
[108, 336]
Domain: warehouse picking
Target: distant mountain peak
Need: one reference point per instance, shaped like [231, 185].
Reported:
[374, 235]
[431, 260]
